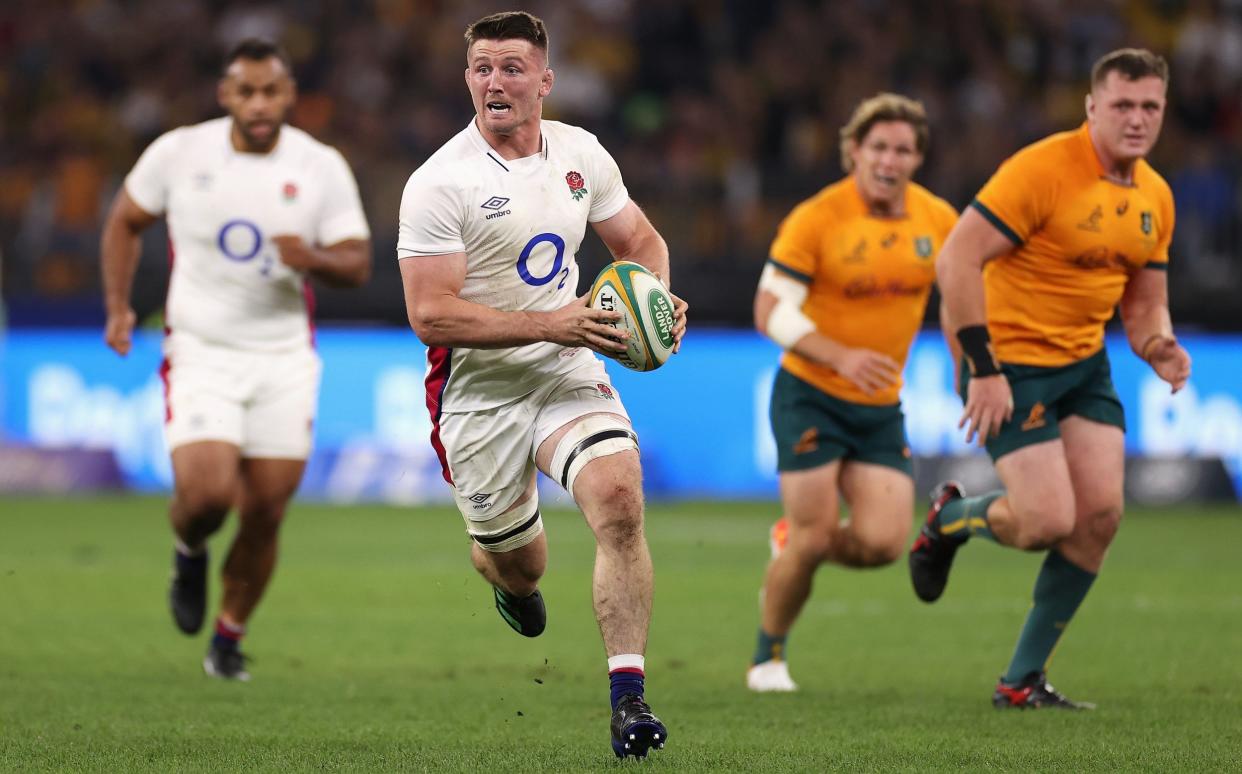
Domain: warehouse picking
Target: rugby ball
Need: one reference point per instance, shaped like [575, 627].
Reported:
[646, 313]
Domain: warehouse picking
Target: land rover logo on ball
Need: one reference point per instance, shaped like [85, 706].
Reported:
[661, 317]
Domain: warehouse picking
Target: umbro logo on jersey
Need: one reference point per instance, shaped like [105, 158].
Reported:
[495, 204]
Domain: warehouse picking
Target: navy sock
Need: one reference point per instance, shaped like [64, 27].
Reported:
[769, 648]
[189, 565]
[227, 637]
[625, 681]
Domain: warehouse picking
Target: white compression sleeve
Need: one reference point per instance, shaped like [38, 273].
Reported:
[786, 323]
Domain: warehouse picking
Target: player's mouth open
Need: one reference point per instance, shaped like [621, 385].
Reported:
[497, 107]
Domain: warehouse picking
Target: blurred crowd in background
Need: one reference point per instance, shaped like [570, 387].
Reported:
[722, 114]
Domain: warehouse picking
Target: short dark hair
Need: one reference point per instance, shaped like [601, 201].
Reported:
[509, 25]
[883, 107]
[1132, 64]
[256, 50]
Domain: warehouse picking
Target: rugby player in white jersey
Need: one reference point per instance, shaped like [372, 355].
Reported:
[254, 208]
[489, 228]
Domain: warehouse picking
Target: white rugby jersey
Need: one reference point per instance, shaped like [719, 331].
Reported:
[520, 224]
[228, 285]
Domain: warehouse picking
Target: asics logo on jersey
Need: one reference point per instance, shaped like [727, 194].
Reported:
[495, 203]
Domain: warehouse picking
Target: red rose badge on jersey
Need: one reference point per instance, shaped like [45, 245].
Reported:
[291, 192]
[577, 186]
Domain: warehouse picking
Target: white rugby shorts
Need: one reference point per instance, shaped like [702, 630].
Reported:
[491, 453]
[262, 402]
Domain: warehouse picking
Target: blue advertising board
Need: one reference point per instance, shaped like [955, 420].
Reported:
[702, 418]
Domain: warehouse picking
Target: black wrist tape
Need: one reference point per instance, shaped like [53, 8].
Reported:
[977, 347]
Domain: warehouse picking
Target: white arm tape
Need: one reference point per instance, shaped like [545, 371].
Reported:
[786, 323]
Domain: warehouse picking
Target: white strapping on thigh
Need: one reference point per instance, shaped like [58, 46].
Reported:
[590, 438]
[510, 530]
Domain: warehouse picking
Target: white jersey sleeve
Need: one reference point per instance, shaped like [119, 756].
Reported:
[149, 182]
[610, 195]
[432, 219]
[342, 216]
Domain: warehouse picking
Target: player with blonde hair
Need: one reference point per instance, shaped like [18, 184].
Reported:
[843, 293]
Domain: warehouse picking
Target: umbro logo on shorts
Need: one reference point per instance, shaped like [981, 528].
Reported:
[480, 501]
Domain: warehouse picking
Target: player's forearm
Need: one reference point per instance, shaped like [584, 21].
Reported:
[1144, 324]
[819, 348]
[960, 278]
[455, 322]
[961, 288]
[652, 253]
[949, 332]
[120, 248]
[347, 264]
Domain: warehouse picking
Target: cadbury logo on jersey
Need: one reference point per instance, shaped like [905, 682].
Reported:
[1100, 257]
[495, 203]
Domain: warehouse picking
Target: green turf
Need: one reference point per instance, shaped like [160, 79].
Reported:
[378, 649]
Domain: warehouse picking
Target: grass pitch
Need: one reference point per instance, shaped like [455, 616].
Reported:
[378, 649]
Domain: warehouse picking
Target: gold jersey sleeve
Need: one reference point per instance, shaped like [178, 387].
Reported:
[868, 277]
[1078, 238]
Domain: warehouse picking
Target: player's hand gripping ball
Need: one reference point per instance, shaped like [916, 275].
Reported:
[646, 313]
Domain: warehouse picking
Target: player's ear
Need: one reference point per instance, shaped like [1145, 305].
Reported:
[545, 87]
[851, 155]
[222, 92]
[1089, 104]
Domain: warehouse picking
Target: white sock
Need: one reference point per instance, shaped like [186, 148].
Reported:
[628, 661]
[185, 550]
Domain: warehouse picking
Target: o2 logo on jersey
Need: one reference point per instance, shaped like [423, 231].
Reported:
[240, 241]
[558, 265]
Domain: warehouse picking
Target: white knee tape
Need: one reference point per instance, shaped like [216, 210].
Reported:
[593, 437]
[510, 530]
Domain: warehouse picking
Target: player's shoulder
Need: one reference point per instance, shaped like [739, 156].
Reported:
[1058, 148]
[833, 200]
[447, 170]
[559, 130]
[562, 138]
[931, 204]
[1146, 176]
[191, 136]
[307, 148]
